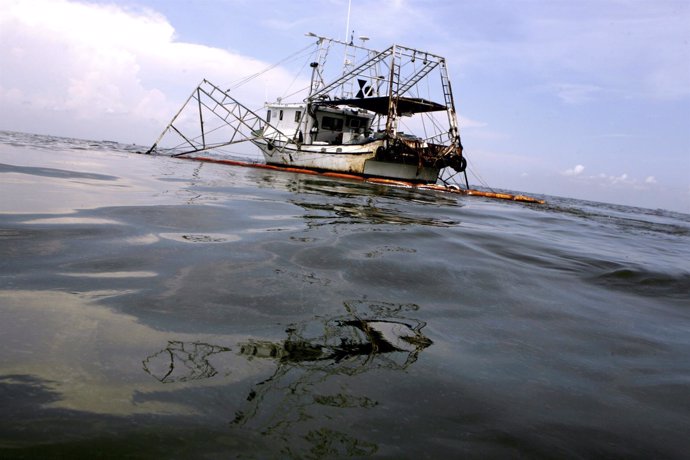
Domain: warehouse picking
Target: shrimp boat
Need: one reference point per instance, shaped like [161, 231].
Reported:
[385, 114]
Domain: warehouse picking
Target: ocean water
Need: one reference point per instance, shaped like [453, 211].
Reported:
[153, 307]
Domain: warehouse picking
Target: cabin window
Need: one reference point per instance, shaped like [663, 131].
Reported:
[298, 115]
[280, 116]
[333, 124]
[355, 122]
[268, 116]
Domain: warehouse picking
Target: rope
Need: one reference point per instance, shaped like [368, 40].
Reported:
[247, 79]
[476, 175]
[299, 72]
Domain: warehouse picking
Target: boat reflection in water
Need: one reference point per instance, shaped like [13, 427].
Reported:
[294, 405]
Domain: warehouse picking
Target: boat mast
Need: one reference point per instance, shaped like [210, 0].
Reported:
[347, 24]
[453, 132]
[392, 118]
[317, 66]
[349, 59]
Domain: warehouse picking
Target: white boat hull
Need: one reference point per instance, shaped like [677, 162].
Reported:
[345, 158]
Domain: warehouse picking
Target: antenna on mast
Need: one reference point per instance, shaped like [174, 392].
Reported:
[347, 24]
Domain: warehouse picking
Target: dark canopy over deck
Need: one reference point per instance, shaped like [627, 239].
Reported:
[380, 104]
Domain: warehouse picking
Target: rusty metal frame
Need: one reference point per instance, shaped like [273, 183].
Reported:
[242, 123]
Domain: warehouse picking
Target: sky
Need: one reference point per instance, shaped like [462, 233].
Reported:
[587, 99]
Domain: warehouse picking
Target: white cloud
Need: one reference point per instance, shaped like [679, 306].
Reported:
[603, 180]
[623, 178]
[571, 93]
[576, 171]
[465, 122]
[103, 71]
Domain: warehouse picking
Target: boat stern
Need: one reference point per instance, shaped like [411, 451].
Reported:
[399, 171]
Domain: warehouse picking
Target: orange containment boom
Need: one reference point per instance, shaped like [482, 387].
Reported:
[374, 180]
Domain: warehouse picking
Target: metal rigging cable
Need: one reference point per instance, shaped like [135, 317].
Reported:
[247, 79]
